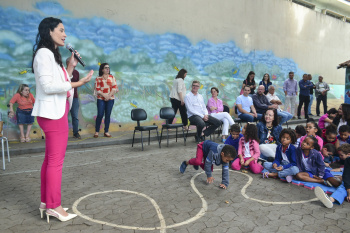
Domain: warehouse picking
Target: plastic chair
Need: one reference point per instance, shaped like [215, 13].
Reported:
[168, 113]
[3, 138]
[138, 114]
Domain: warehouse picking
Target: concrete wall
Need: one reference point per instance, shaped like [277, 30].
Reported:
[144, 42]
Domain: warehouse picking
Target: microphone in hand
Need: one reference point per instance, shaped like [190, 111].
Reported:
[70, 48]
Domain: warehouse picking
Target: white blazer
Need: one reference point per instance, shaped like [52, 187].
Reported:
[51, 86]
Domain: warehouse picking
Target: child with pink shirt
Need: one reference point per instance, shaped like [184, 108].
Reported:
[248, 150]
[312, 129]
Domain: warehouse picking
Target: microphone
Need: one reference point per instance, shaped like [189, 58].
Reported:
[70, 48]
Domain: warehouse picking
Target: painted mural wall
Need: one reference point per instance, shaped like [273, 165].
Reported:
[145, 50]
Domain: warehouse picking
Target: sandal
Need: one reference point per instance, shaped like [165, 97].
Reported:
[266, 175]
[96, 135]
[107, 135]
[28, 139]
[23, 139]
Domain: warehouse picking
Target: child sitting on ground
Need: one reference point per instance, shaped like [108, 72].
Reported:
[344, 135]
[248, 150]
[329, 135]
[284, 164]
[209, 153]
[343, 191]
[312, 129]
[233, 139]
[311, 165]
[300, 132]
[328, 151]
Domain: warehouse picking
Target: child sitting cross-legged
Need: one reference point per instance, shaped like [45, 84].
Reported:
[312, 129]
[209, 153]
[328, 151]
[284, 164]
[311, 165]
[344, 135]
[233, 139]
[343, 191]
[248, 150]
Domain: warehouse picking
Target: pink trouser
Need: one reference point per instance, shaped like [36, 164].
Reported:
[199, 157]
[56, 138]
[255, 167]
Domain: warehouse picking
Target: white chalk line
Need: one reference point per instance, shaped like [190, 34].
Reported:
[201, 213]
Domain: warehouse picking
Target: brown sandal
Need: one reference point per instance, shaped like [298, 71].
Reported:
[107, 135]
[96, 135]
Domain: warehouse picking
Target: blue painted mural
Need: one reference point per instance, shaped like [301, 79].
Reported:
[143, 64]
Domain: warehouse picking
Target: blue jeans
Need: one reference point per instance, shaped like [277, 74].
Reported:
[311, 101]
[103, 108]
[249, 118]
[340, 194]
[286, 116]
[74, 113]
[291, 171]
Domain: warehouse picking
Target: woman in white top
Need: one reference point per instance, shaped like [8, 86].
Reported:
[177, 96]
[54, 95]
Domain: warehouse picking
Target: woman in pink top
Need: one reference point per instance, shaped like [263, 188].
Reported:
[215, 109]
[327, 118]
[25, 101]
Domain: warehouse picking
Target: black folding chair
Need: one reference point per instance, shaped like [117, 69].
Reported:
[168, 114]
[138, 114]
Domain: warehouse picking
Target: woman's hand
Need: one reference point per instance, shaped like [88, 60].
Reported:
[247, 163]
[182, 103]
[242, 161]
[73, 62]
[11, 114]
[87, 78]
[213, 108]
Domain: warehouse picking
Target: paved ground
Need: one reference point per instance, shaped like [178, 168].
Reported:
[133, 191]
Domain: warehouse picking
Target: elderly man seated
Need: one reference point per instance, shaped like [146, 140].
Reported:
[246, 111]
[273, 99]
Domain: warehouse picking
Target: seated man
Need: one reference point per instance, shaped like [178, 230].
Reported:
[198, 114]
[246, 111]
[262, 103]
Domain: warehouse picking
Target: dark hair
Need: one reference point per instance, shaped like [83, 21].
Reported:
[181, 74]
[345, 148]
[305, 75]
[310, 119]
[291, 72]
[346, 111]
[331, 129]
[44, 40]
[291, 134]
[229, 151]
[300, 129]
[319, 132]
[21, 88]
[235, 128]
[215, 88]
[344, 128]
[250, 73]
[275, 117]
[332, 111]
[268, 78]
[315, 145]
[251, 133]
[102, 66]
[330, 148]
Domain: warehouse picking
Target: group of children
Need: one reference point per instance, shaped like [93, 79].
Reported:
[303, 153]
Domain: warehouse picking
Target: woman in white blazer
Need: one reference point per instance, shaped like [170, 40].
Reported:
[54, 93]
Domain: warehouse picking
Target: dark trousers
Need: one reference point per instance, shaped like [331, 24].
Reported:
[176, 105]
[304, 100]
[322, 98]
[200, 124]
[103, 108]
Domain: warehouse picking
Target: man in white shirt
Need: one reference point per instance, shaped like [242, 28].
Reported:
[273, 99]
[246, 110]
[198, 114]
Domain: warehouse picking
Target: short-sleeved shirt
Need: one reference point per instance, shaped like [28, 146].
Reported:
[246, 102]
[178, 87]
[23, 102]
[105, 86]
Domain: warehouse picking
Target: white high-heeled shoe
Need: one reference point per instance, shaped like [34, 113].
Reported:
[53, 213]
[42, 208]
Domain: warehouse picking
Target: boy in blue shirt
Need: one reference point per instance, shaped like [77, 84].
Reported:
[234, 137]
[343, 191]
[209, 153]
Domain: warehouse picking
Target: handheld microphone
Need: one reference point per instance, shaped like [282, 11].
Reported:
[70, 48]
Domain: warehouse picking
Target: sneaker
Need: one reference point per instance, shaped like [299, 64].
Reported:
[77, 135]
[196, 167]
[323, 197]
[289, 178]
[183, 167]
[299, 117]
[310, 114]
